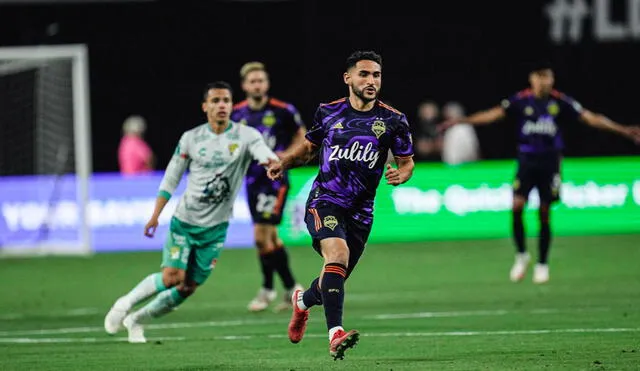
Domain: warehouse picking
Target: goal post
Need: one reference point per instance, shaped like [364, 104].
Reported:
[46, 163]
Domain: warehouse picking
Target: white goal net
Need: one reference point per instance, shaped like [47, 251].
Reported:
[45, 150]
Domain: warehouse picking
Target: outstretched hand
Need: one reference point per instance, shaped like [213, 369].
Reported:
[634, 134]
[274, 169]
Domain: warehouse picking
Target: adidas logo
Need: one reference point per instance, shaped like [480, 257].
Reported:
[338, 126]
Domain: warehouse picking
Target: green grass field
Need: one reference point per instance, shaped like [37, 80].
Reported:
[426, 306]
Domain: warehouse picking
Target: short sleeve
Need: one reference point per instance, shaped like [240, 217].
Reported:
[402, 145]
[317, 132]
[509, 104]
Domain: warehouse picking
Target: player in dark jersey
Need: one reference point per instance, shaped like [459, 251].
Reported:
[541, 113]
[352, 136]
[281, 126]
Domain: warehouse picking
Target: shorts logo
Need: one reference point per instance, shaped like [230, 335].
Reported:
[330, 222]
[174, 252]
[378, 128]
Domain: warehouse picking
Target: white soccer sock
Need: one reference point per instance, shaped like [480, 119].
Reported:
[162, 304]
[300, 302]
[333, 330]
[149, 286]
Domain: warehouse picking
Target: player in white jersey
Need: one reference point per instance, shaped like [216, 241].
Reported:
[217, 155]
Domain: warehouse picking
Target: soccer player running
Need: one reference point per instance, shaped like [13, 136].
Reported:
[281, 126]
[217, 155]
[540, 112]
[352, 136]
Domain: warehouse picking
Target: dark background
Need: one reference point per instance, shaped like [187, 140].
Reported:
[153, 58]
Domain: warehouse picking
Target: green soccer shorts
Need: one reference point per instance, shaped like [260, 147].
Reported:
[193, 249]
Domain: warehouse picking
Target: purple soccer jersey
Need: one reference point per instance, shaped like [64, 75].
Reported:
[278, 121]
[538, 119]
[353, 151]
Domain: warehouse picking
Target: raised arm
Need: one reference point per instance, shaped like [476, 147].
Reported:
[600, 121]
[485, 117]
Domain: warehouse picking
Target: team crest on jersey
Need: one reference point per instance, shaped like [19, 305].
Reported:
[378, 128]
[553, 108]
[174, 253]
[269, 119]
[528, 110]
[216, 191]
[330, 222]
[232, 148]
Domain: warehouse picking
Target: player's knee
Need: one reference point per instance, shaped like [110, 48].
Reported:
[264, 246]
[518, 204]
[544, 213]
[262, 239]
[172, 277]
[187, 289]
[335, 250]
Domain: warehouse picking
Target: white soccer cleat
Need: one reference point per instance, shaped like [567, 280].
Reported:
[136, 330]
[541, 273]
[113, 319]
[520, 266]
[262, 300]
[285, 304]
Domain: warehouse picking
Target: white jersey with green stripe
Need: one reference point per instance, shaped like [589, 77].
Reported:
[216, 164]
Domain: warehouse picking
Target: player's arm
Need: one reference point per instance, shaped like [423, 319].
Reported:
[259, 149]
[485, 117]
[172, 175]
[402, 150]
[402, 174]
[299, 155]
[298, 138]
[298, 128]
[600, 121]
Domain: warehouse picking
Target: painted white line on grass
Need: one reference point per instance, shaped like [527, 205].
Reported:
[76, 312]
[85, 312]
[482, 333]
[157, 326]
[80, 340]
[439, 314]
[272, 321]
[367, 334]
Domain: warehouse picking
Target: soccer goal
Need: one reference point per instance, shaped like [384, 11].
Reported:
[45, 150]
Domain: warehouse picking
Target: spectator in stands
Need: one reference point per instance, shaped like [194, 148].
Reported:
[134, 154]
[460, 143]
[427, 139]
